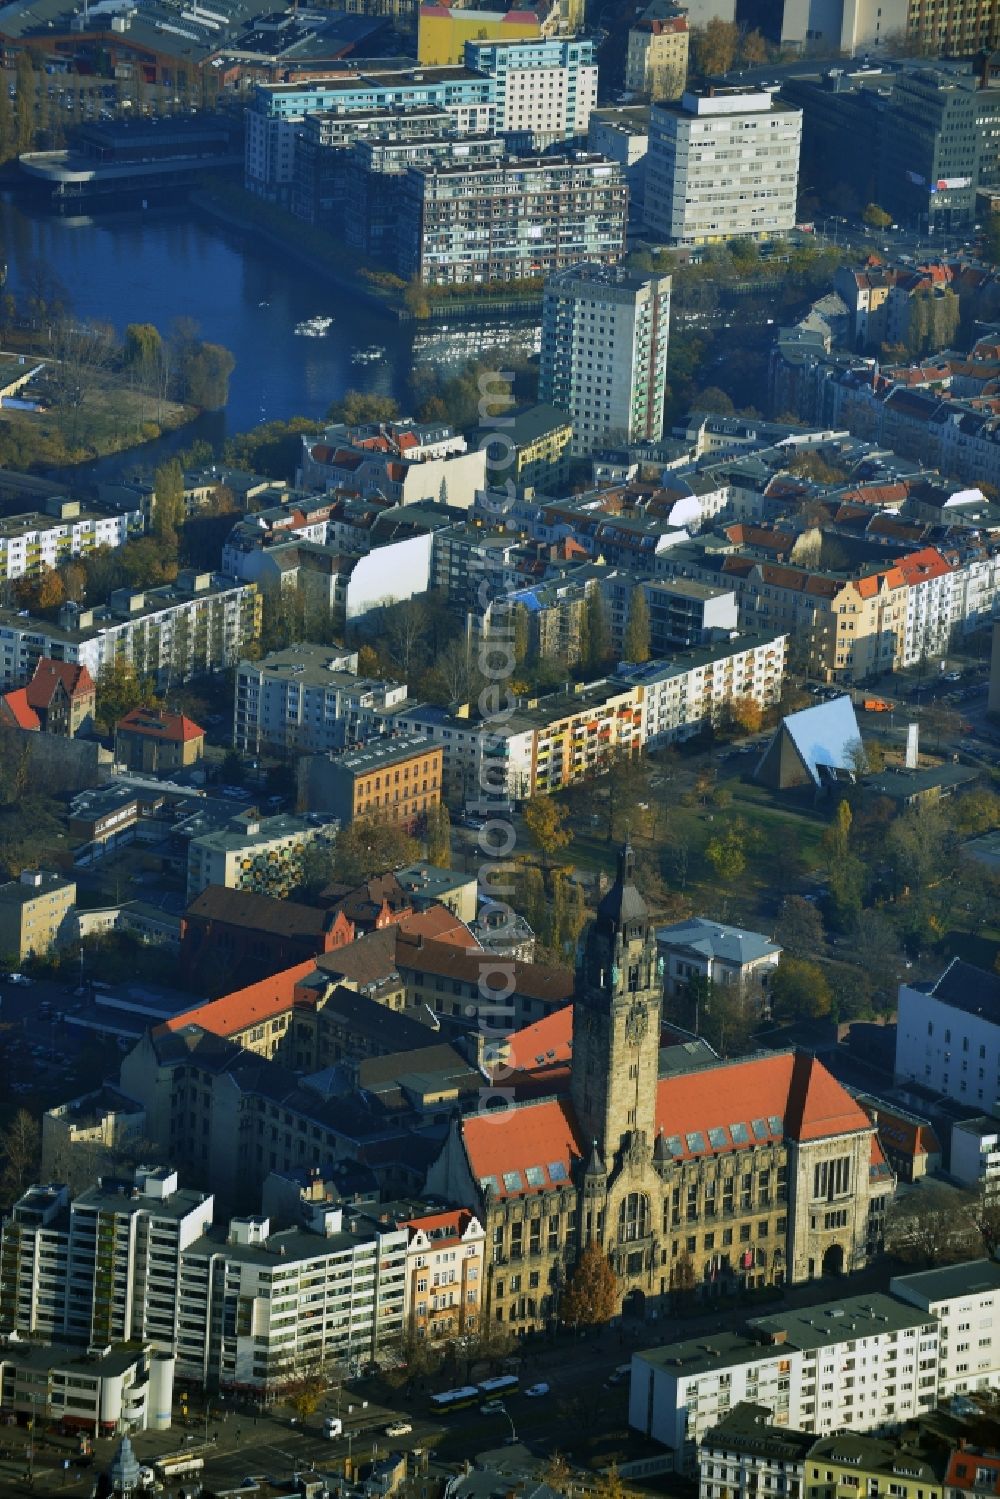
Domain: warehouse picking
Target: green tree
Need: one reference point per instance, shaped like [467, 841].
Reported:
[920, 848]
[715, 47]
[597, 636]
[25, 132]
[991, 238]
[726, 853]
[545, 820]
[753, 49]
[8, 136]
[529, 895]
[837, 838]
[305, 1392]
[358, 408]
[439, 836]
[119, 690]
[568, 912]
[636, 643]
[713, 399]
[168, 499]
[800, 928]
[591, 1296]
[799, 990]
[366, 847]
[203, 372]
[143, 345]
[876, 217]
[522, 636]
[20, 1153]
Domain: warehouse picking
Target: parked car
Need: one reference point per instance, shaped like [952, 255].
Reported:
[535, 1391]
[19, 978]
[492, 1408]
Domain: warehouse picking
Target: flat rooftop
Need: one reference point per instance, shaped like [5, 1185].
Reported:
[378, 752]
[970, 1278]
[822, 1325]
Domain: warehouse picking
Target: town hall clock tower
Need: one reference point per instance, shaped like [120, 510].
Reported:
[616, 1024]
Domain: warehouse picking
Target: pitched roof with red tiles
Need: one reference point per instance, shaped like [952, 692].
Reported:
[543, 1042]
[761, 1099]
[14, 706]
[922, 566]
[439, 924]
[909, 1136]
[521, 1150]
[440, 1228]
[701, 1114]
[232, 1013]
[76, 680]
[878, 1167]
[155, 723]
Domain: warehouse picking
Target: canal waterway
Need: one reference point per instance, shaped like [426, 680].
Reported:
[161, 264]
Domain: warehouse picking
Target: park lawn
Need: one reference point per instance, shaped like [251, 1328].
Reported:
[111, 417]
[784, 845]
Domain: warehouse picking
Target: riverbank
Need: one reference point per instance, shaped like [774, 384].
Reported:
[108, 418]
[327, 258]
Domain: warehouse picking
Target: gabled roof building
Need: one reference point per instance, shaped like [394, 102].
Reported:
[751, 1172]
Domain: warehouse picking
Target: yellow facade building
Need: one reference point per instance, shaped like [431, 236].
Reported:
[443, 30]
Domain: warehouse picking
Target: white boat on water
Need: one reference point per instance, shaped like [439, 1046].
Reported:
[374, 354]
[314, 327]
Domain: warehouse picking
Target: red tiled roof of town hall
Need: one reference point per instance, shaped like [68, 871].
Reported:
[48, 675]
[530, 1047]
[17, 705]
[538, 1057]
[508, 1141]
[232, 1013]
[157, 724]
[793, 1089]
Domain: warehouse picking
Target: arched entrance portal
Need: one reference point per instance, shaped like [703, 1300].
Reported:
[634, 1305]
[833, 1260]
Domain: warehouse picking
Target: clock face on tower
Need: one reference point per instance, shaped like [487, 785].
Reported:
[636, 1024]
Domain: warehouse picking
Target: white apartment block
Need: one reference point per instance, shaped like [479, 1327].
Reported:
[139, 1261]
[257, 1308]
[948, 1035]
[965, 1299]
[103, 1268]
[200, 623]
[274, 118]
[31, 544]
[680, 696]
[307, 699]
[975, 1153]
[605, 333]
[722, 164]
[545, 88]
[549, 741]
[859, 1361]
[492, 760]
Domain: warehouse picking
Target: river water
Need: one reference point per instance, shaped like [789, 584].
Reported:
[157, 265]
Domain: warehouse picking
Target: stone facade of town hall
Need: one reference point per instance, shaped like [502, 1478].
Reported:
[754, 1171]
